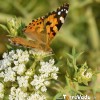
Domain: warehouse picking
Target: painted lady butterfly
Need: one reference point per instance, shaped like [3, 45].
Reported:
[42, 30]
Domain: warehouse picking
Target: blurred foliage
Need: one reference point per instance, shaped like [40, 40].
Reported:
[80, 30]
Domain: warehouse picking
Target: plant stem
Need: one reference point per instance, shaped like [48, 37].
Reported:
[93, 31]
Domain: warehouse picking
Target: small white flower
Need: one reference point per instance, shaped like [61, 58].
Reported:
[55, 68]
[47, 83]
[19, 52]
[54, 76]
[11, 53]
[15, 56]
[16, 63]
[1, 90]
[36, 96]
[37, 82]
[20, 69]
[5, 63]
[43, 89]
[29, 72]
[23, 56]
[9, 75]
[45, 75]
[12, 94]
[23, 81]
[17, 94]
[48, 69]
[5, 55]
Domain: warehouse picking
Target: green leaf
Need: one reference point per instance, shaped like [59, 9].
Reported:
[69, 63]
[73, 51]
[78, 55]
[4, 27]
[70, 56]
[8, 46]
[57, 96]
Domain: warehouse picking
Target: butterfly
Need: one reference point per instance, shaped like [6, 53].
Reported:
[42, 30]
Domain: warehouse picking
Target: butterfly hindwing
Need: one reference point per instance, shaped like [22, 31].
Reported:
[23, 41]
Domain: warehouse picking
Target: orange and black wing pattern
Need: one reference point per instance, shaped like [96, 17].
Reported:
[55, 20]
[43, 29]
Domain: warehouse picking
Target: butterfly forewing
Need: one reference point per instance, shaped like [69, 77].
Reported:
[55, 20]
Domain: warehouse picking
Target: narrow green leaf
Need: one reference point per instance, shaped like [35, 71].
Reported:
[4, 27]
[73, 52]
[70, 56]
[79, 54]
[57, 96]
[68, 62]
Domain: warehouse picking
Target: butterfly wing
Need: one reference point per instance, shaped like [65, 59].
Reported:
[35, 29]
[43, 29]
[55, 20]
[23, 41]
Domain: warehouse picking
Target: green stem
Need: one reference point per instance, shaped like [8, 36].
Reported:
[93, 30]
[84, 88]
[33, 65]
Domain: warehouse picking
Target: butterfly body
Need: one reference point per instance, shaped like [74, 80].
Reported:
[43, 29]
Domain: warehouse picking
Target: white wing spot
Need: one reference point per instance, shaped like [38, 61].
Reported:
[59, 13]
[62, 10]
[66, 11]
[62, 19]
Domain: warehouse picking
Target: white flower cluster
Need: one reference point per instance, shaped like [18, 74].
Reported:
[36, 96]
[13, 63]
[47, 71]
[18, 94]
[13, 69]
[23, 81]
